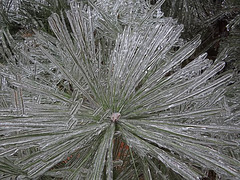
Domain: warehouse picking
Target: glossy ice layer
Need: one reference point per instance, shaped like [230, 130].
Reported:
[60, 95]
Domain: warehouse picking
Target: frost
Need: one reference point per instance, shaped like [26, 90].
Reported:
[122, 62]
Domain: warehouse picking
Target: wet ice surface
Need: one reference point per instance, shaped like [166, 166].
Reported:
[63, 103]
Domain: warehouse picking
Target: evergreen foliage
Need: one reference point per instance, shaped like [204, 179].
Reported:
[114, 92]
